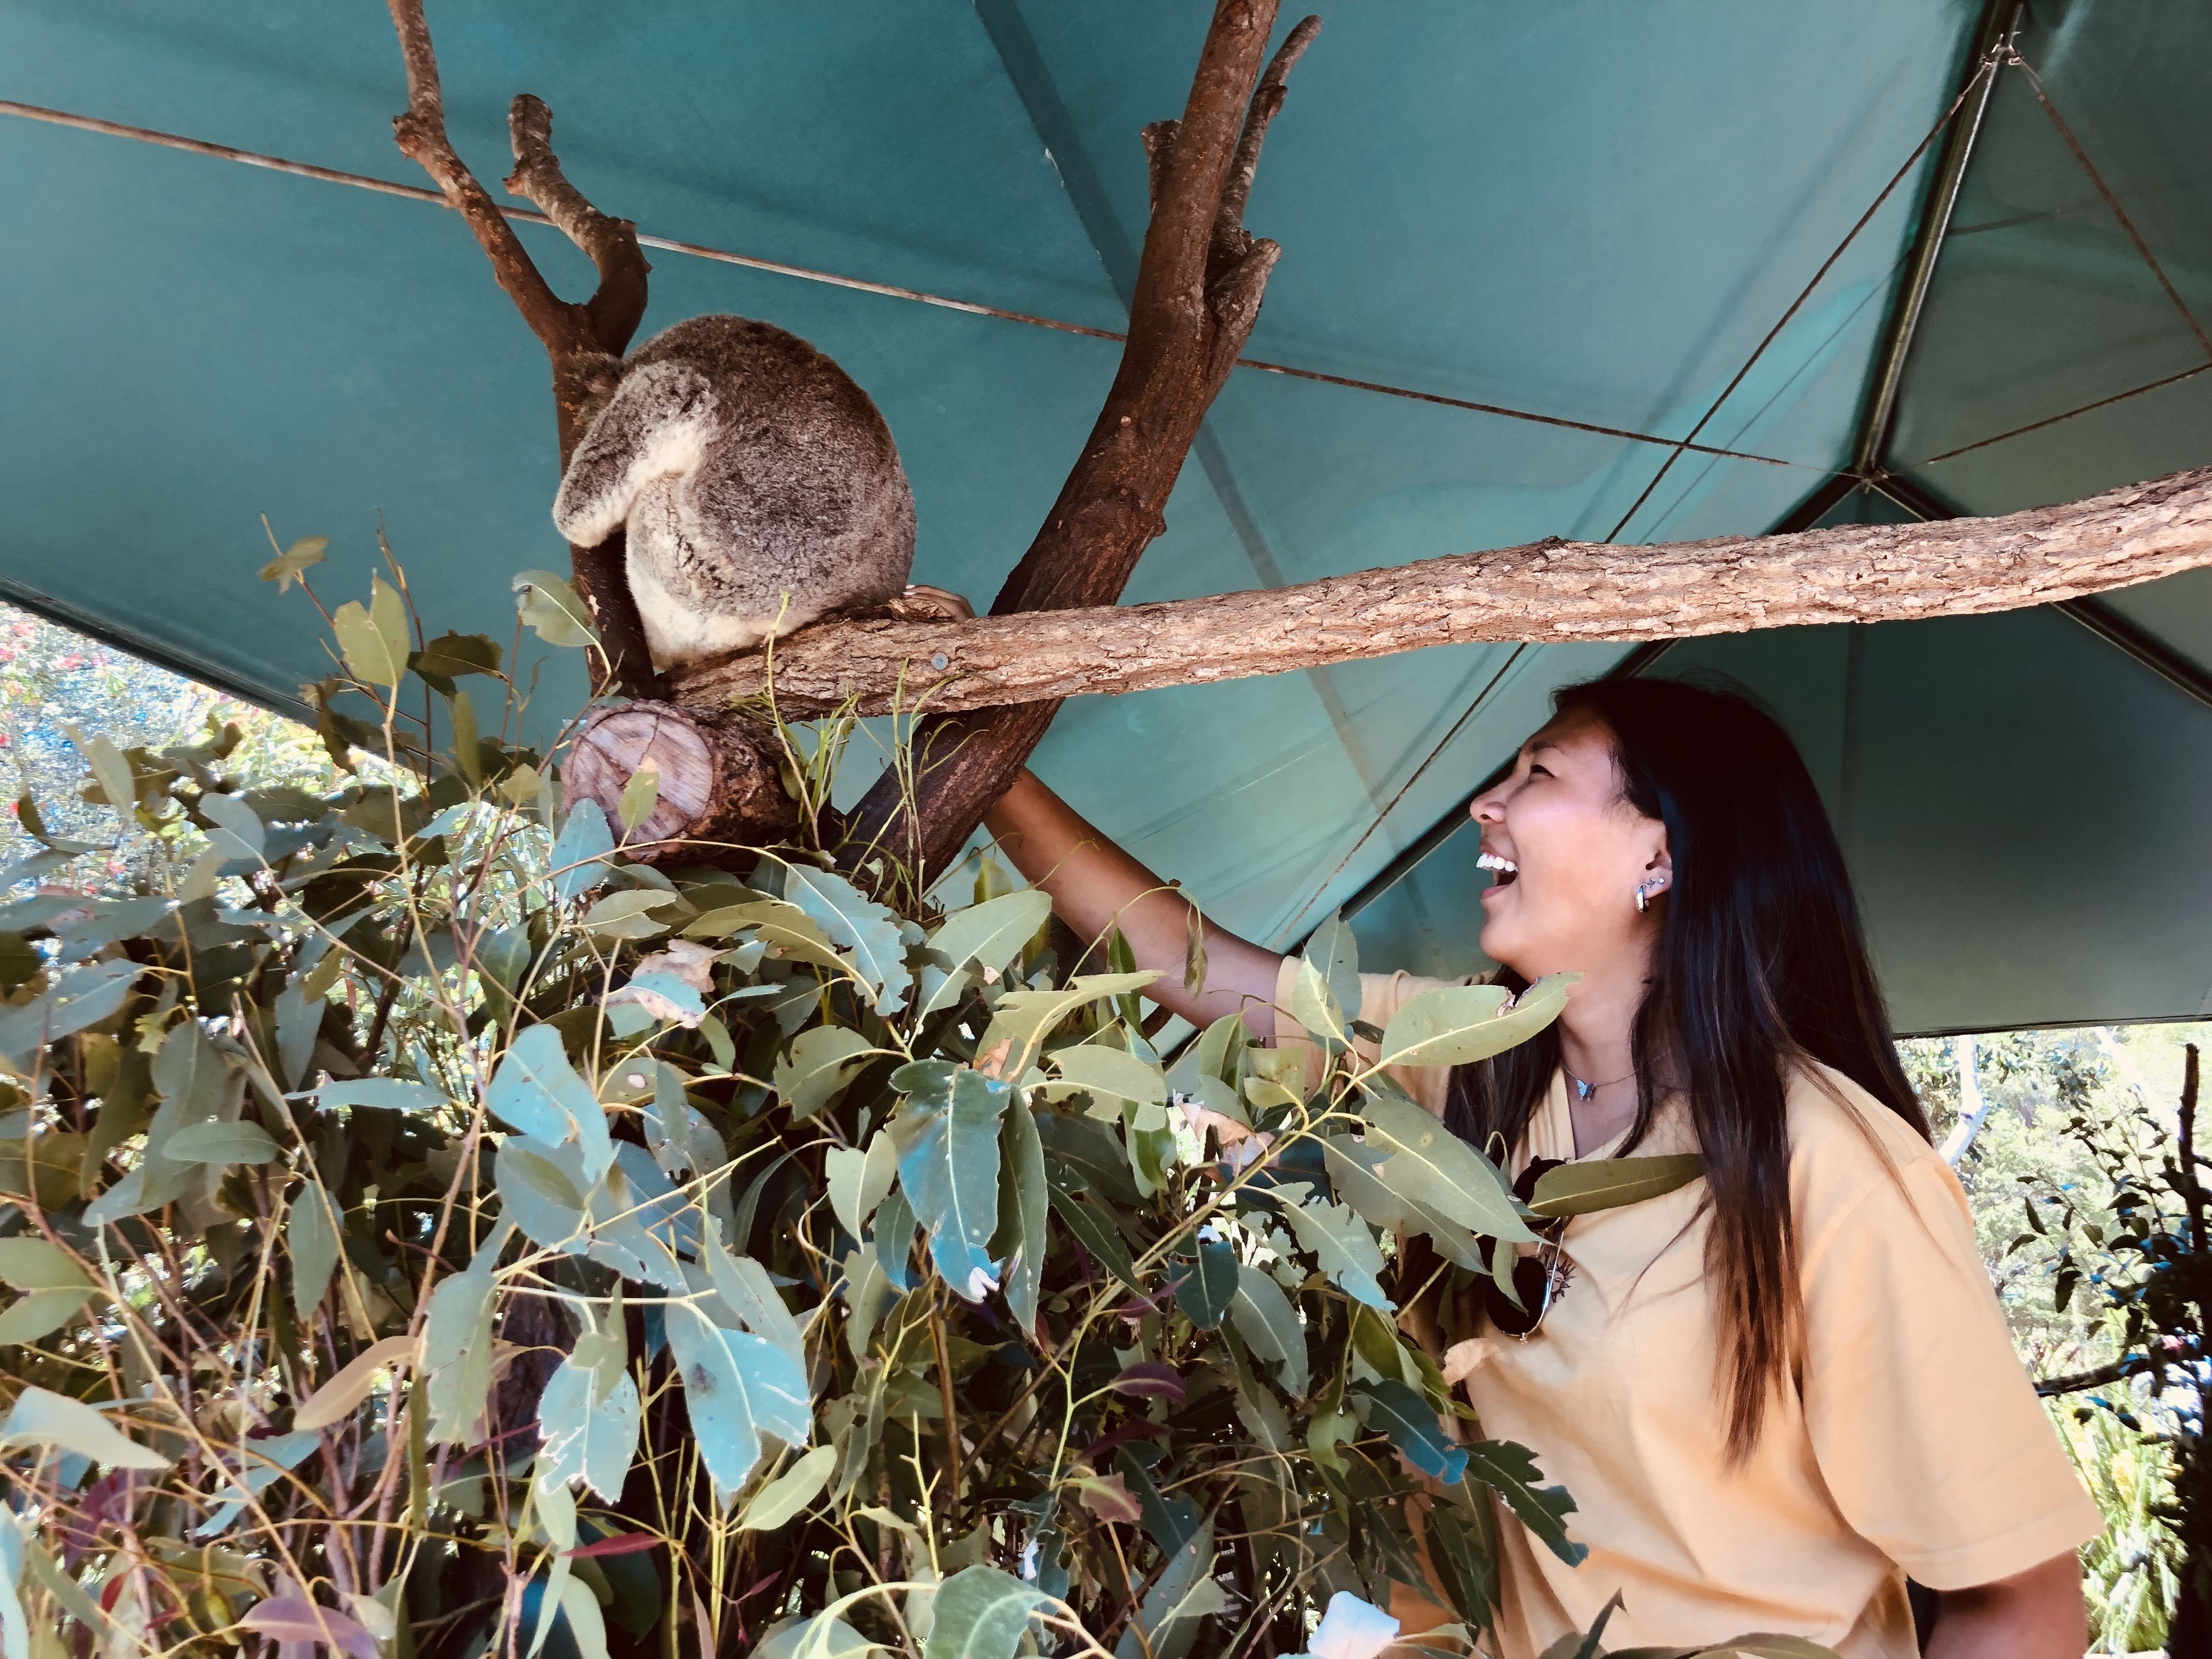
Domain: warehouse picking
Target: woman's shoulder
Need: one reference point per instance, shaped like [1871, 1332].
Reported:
[1848, 1149]
[1830, 1112]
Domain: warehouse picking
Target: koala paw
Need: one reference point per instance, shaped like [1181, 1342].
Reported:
[920, 603]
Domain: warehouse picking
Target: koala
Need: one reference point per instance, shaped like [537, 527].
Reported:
[760, 486]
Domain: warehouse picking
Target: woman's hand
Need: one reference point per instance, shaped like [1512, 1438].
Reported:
[1096, 887]
[2036, 1614]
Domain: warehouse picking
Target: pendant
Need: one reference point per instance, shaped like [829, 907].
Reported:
[1583, 1090]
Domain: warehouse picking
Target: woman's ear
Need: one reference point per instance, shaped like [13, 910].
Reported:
[1659, 872]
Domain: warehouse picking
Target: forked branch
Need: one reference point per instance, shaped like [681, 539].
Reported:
[568, 331]
[421, 132]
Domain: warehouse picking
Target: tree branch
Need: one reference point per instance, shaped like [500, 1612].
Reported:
[560, 327]
[1546, 592]
[2181, 1355]
[616, 310]
[602, 324]
[1197, 293]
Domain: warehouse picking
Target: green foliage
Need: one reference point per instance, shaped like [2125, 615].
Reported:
[2088, 1200]
[426, 1229]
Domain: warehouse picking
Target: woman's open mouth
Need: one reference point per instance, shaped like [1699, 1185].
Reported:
[1504, 872]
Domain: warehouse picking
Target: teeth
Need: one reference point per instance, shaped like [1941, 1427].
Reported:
[1492, 861]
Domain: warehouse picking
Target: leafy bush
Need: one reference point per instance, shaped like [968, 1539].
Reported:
[2137, 1242]
[431, 1232]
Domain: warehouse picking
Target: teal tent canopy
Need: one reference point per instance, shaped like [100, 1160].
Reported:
[1528, 252]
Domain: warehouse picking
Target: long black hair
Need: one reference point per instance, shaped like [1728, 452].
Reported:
[1761, 965]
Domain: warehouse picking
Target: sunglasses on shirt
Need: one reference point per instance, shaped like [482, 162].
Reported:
[1538, 1280]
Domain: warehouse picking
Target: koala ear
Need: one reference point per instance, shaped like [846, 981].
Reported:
[596, 373]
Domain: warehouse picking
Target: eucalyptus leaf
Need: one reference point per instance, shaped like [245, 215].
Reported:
[783, 1497]
[1351, 1167]
[1510, 1470]
[737, 1388]
[390, 1094]
[41, 1417]
[452, 655]
[374, 638]
[1334, 954]
[858, 1180]
[1411, 1424]
[989, 936]
[543, 1189]
[981, 1612]
[949, 1171]
[822, 1637]
[578, 860]
[864, 932]
[1264, 1318]
[1343, 1248]
[457, 1344]
[549, 608]
[1209, 1287]
[536, 1091]
[222, 1143]
[238, 832]
[588, 1432]
[37, 1314]
[1096, 1234]
[1582, 1188]
[1315, 1007]
[82, 997]
[1428, 1165]
[1024, 1203]
[311, 1237]
[1023, 1019]
[294, 561]
[1111, 1074]
[1168, 1618]
[823, 1060]
[354, 1380]
[1458, 1024]
[750, 1294]
[33, 1264]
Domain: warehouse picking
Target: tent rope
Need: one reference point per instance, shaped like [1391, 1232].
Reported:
[1988, 66]
[2111, 200]
[2127, 224]
[858, 284]
[2084, 408]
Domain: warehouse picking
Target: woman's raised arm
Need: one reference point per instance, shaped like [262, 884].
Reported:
[1096, 886]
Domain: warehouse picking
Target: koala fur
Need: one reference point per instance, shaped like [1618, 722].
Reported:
[759, 485]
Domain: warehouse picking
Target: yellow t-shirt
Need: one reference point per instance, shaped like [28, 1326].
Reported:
[1913, 1442]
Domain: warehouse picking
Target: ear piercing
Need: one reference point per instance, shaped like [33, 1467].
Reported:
[1645, 890]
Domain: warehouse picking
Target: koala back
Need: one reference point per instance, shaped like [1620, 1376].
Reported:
[792, 501]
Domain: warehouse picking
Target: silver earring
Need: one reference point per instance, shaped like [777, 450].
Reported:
[1644, 890]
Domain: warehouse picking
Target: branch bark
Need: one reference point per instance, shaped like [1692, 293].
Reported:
[569, 333]
[1199, 281]
[1546, 591]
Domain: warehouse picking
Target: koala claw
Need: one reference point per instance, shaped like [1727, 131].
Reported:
[922, 603]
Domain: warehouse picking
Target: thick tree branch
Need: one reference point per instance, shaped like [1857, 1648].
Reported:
[569, 333]
[1197, 293]
[1547, 590]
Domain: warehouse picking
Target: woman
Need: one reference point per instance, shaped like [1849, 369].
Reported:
[1779, 1391]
